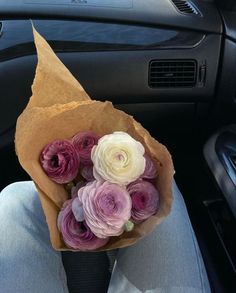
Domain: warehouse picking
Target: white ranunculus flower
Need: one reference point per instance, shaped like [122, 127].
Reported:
[118, 158]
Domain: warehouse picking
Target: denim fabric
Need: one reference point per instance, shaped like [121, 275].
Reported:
[28, 263]
[168, 260]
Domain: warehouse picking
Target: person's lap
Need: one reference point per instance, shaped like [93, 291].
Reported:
[168, 260]
[28, 263]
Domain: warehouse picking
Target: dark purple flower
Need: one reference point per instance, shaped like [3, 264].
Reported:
[60, 161]
[145, 200]
[84, 142]
[75, 189]
[77, 235]
[87, 173]
[150, 171]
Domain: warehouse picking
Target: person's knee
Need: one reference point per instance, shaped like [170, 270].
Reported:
[28, 261]
[19, 187]
[18, 197]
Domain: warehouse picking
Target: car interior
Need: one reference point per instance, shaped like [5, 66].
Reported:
[169, 63]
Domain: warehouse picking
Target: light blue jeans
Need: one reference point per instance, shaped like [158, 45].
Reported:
[168, 260]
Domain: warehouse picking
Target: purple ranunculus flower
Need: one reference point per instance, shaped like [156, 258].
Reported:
[150, 171]
[77, 209]
[77, 235]
[74, 189]
[84, 142]
[87, 172]
[106, 206]
[145, 200]
[60, 161]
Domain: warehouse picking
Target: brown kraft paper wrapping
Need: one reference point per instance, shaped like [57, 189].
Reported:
[58, 109]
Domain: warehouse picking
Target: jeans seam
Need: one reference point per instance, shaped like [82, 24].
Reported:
[196, 251]
[194, 240]
[63, 278]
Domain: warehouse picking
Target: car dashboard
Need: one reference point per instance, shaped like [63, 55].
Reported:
[169, 63]
[129, 52]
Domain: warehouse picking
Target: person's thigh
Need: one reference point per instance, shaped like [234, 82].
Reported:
[28, 263]
[168, 260]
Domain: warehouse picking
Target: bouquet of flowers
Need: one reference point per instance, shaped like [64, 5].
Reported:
[103, 181]
[113, 190]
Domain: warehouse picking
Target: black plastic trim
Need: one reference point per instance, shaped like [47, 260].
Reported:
[149, 12]
[84, 36]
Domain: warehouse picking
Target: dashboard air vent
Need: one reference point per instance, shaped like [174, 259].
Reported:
[172, 73]
[185, 6]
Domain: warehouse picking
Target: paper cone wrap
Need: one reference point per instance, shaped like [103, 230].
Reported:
[58, 109]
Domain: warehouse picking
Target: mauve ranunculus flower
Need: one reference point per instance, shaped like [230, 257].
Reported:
[87, 173]
[145, 200]
[77, 235]
[106, 206]
[150, 171]
[84, 142]
[60, 161]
